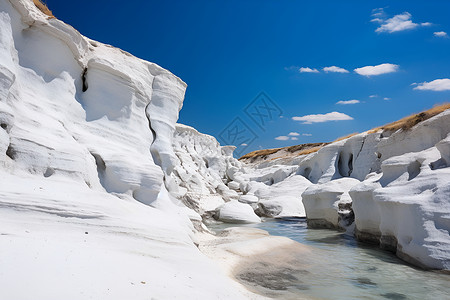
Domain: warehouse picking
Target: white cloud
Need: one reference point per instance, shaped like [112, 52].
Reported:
[294, 134]
[335, 69]
[437, 85]
[440, 34]
[386, 98]
[377, 20]
[348, 102]
[244, 144]
[373, 96]
[377, 70]
[397, 23]
[294, 138]
[291, 68]
[282, 138]
[306, 134]
[320, 118]
[308, 70]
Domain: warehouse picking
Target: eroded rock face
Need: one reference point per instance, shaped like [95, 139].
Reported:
[77, 108]
[328, 204]
[86, 152]
[408, 209]
[202, 170]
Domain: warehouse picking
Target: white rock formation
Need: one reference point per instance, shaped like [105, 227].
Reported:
[283, 199]
[249, 199]
[327, 205]
[395, 184]
[236, 212]
[85, 157]
[407, 209]
[200, 170]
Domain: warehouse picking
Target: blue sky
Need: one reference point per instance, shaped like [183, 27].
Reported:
[384, 54]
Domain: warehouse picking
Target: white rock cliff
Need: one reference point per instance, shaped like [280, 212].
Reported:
[85, 158]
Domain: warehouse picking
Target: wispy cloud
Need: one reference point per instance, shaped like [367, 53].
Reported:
[294, 138]
[308, 70]
[291, 68]
[397, 23]
[294, 134]
[282, 138]
[346, 102]
[440, 34]
[376, 96]
[378, 14]
[306, 134]
[377, 70]
[320, 118]
[334, 69]
[437, 85]
[377, 20]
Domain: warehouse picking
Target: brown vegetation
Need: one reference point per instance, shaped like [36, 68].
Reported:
[304, 147]
[410, 121]
[297, 149]
[260, 153]
[311, 150]
[43, 8]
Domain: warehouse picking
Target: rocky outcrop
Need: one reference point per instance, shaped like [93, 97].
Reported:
[236, 212]
[201, 170]
[329, 205]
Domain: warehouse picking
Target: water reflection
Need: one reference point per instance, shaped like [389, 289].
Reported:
[347, 269]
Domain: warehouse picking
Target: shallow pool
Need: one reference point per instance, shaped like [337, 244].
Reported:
[347, 269]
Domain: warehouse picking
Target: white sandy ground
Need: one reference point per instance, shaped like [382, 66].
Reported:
[258, 260]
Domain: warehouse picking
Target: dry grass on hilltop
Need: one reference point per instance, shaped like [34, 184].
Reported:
[345, 137]
[303, 149]
[262, 153]
[43, 8]
[311, 150]
[410, 121]
[297, 149]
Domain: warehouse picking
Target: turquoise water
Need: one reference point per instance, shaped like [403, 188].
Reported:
[347, 269]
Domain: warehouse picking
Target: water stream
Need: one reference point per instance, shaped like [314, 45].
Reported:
[347, 269]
